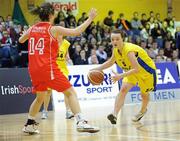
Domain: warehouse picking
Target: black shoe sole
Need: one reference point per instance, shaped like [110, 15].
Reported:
[88, 130]
[112, 118]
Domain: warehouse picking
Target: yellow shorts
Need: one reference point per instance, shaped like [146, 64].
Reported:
[145, 82]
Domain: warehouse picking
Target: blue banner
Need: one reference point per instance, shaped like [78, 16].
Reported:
[15, 91]
[167, 76]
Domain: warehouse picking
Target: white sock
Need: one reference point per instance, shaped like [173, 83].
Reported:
[79, 117]
[68, 110]
[30, 117]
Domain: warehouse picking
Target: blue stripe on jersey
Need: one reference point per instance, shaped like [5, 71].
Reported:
[148, 69]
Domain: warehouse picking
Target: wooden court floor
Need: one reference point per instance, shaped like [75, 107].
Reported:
[161, 123]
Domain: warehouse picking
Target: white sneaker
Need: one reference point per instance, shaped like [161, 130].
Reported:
[44, 115]
[31, 129]
[69, 115]
[83, 126]
[138, 117]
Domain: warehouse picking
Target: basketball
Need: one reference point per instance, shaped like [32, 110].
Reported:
[96, 77]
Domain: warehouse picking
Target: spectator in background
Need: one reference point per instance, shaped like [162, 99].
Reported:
[83, 17]
[151, 53]
[60, 17]
[164, 29]
[23, 54]
[175, 56]
[93, 58]
[167, 49]
[123, 24]
[171, 28]
[143, 44]
[161, 53]
[151, 15]
[102, 55]
[149, 42]
[143, 19]
[1, 19]
[157, 34]
[76, 53]
[93, 34]
[155, 48]
[151, 22]
[6, 39]
[109, 19]
[82, 59]
[145, 32]
[178, 38]
[136, 25]
[159, 59]
[70, 19]
[169, 18]
[158, 19]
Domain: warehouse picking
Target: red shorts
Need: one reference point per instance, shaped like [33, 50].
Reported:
[60, 83]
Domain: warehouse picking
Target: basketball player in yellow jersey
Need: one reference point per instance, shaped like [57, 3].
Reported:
[138, 68]
[62, 64]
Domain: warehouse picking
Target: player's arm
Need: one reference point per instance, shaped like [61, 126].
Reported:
[24, 36]
[78, 30]
[134, 64]
[135, 68]
[107, 64]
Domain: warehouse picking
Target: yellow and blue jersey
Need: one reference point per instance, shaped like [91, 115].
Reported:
[147, 67]
[61, 59]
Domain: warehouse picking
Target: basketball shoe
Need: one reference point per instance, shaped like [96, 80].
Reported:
[69, 115]
[83, 126]
[112, 118]
[44, 114]
[31, 127]
[138, 117]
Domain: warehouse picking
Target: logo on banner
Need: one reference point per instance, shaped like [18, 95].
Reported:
[65, 5]
[82, 81]
[12, 90]
[167, 76]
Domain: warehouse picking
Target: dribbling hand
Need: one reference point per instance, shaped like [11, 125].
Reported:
[115, 77]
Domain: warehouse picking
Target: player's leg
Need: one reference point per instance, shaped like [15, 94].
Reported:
[46, 104]
[82, 125]
[31, 125]
[119, 101]
[69, 113]
[146, 84]
[145, 101]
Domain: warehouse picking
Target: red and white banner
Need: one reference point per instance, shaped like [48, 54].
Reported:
[64, 5]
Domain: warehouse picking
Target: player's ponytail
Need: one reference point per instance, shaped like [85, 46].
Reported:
[36, 11]
[43, 11]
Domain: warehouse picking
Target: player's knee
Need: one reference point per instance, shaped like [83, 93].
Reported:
[145, 96]
[40, 99]
[123, 91]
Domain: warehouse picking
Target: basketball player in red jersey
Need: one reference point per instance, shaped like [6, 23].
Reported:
[44, 72]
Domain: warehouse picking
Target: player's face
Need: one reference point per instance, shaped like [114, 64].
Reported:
[116, 40]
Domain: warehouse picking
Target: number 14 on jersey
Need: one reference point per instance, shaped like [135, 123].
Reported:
[36, 46]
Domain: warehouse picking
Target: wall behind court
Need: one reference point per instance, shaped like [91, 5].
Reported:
[125, 6]
[176, 9]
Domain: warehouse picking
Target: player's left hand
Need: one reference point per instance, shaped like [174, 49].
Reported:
[116, 76]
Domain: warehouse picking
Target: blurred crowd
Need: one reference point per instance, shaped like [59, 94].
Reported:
[160, 38]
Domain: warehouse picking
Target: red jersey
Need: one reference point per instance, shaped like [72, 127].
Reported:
[43, 49]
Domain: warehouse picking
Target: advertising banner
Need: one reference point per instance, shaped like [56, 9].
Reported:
[88, 95]
[168, 84]
[15, 91]
[65, 5]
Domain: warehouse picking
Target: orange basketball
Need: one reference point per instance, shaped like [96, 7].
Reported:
[96, 77]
